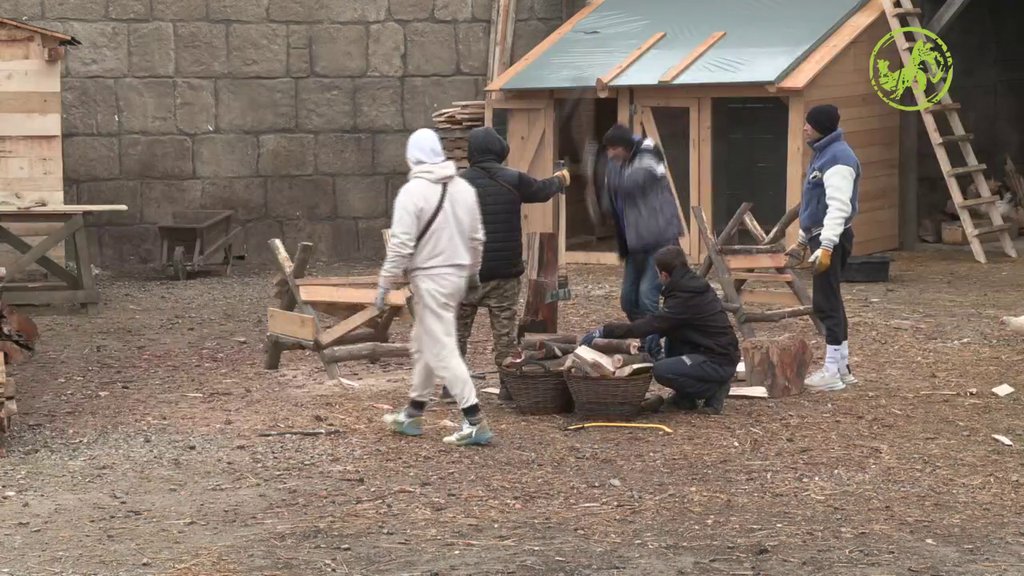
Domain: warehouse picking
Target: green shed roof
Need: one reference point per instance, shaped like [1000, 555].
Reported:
[764, 40]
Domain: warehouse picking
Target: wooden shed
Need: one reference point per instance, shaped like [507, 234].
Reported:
[724, 88]
[31, 166]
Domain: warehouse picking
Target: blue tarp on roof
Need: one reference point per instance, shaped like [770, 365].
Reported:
[764, 40]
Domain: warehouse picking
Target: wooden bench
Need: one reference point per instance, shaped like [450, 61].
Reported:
[63, 224]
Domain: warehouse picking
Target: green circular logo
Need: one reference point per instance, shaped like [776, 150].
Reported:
[929, 72]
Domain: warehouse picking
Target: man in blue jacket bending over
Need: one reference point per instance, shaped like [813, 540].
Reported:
[646, 219]
[827, 209]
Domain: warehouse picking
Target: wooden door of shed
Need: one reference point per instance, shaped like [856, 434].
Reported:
[674, 124]
[531, 141]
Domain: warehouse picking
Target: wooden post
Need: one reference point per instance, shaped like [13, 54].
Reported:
[540, 315]
[778, 364]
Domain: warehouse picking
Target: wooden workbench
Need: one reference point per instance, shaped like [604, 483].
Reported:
[66, 286]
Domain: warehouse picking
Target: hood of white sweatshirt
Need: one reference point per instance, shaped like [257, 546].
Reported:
[437, 173]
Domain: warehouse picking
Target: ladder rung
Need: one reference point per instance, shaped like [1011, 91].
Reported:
[990, 229]
[943, 107]
[906, 12]
[956, 138]
[978, 201]
[762, 276]
[966, 170]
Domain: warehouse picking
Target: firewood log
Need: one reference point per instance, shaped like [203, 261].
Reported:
[608, 346]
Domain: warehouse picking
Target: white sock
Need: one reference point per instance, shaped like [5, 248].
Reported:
[846, 353]
[833, 359]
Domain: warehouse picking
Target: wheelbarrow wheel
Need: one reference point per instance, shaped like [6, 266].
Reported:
[178, 262]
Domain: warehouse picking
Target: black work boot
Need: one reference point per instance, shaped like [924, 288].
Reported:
[503, 392]
[679, 403]
[652, 404]
[714, 405]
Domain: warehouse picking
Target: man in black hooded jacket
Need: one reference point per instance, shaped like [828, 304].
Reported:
[502, 192]
[701, 348]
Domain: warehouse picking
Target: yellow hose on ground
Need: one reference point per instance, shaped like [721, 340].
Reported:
[619, 425]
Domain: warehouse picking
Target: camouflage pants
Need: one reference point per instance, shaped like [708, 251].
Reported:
[501, 298]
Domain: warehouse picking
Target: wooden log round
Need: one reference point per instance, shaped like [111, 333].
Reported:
[368, 351]
[778, 364]
[537, 366]
[608, 346]
[620, 360]
[557, 350]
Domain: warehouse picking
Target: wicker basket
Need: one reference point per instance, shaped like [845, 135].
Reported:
[537, 391]
[607, 397]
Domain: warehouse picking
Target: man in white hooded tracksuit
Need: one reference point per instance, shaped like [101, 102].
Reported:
[437, 241]
[827, 209]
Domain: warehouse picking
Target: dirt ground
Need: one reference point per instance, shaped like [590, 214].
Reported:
[136, 451]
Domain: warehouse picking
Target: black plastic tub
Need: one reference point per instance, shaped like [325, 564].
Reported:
[867, 269]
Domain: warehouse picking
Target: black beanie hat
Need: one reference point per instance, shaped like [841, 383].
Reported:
[619, 136]
[824, 118]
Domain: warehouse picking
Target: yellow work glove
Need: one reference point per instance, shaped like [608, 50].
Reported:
[563, 175]
[796, 253]
[822, 259]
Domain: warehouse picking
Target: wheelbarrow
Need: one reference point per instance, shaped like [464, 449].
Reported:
[209, 236]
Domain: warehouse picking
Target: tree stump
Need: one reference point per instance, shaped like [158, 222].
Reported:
[778, 364]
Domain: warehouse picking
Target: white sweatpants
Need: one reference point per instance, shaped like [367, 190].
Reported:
[435, 345]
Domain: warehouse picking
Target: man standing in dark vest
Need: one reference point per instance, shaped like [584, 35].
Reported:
[827, 209]
[501, 191]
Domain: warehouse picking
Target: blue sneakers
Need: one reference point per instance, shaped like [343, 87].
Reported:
[403, 424]
[478, 435]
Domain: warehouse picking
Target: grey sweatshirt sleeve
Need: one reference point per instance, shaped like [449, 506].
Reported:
[838, 182]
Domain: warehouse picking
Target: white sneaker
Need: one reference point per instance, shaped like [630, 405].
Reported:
[824, 380]
[847, 376]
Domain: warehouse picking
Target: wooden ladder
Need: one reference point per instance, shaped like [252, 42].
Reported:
[898, 11]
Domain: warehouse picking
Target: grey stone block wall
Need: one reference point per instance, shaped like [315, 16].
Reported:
[293, 113]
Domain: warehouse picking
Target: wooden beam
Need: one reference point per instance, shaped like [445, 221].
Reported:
[539, 49]
[674, 72]
[368, 351]
[705, 195]
[332, 335]
[503, 20]
[942, 19]
[291, 324]
[611, 75]
[347, 295]
[337, 280]
[824, 54]
[794, 166]
[752, 261]
[647, 119]
[598, 258]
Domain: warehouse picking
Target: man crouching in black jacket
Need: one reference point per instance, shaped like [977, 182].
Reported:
[701, 351]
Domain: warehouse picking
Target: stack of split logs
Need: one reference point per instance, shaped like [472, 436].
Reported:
[18, 337]
[453, 126]
[605, 358]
